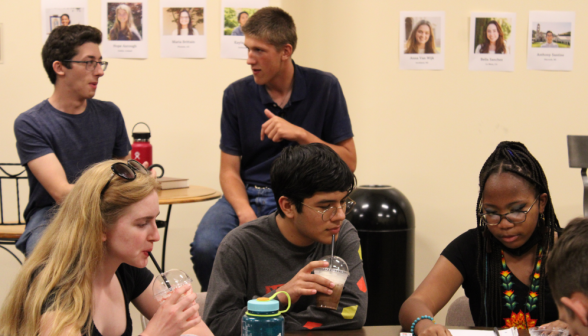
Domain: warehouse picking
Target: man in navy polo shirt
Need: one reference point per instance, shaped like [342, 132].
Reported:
[282, 104]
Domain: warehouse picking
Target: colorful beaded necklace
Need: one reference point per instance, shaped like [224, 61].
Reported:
[521, 320]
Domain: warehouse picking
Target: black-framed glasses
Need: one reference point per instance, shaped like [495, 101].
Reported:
[514, 217]
[125, 170]
[329, 213]
[91, 65]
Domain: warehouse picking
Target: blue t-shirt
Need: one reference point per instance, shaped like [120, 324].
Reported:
[317, 104]
[78, 141]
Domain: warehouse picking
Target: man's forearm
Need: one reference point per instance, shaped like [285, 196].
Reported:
[348, 156]
[236, 194]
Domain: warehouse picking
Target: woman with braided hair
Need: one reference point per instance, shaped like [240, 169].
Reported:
[500, 263]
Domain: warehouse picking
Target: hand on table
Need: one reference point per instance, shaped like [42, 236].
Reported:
[555, 324]
[306, 283]
[176, 314]
[278, 129]
[430, 329]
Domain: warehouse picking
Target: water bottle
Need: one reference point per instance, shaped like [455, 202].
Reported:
[263, 317]
[142, 150]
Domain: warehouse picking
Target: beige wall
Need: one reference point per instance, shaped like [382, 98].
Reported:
[425, 132]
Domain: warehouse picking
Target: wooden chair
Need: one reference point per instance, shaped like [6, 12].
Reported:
[10, 231]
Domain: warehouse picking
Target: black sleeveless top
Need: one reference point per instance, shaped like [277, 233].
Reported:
[517, 299]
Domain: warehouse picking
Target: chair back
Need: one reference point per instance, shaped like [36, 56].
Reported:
[11, 230]
[578, 158]
[459, 314]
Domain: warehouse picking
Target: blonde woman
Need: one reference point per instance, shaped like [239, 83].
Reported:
[124, 28]
[91, 262]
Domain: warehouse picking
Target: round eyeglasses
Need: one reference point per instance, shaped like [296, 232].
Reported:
[330, 212]
[125, 170]
[91, 65]
[514, 217]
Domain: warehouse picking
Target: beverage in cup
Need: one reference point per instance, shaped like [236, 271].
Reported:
[337, 273]
[167, 282]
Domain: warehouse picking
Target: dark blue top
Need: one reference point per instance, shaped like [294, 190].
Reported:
[317, 104]
[78, 141]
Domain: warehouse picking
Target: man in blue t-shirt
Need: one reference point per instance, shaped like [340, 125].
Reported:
[282, 104]
[63, 135]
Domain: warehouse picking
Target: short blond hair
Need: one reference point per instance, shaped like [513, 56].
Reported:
[273, 25]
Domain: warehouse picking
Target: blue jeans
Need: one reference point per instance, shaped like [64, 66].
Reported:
[216, 223]
[34, 230]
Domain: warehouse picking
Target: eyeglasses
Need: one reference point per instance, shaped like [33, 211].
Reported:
[125, 170]
[514, 217]
[91, 65]
[329, 213]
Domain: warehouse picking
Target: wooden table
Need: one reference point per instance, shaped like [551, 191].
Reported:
[170, 197]
[373, 331]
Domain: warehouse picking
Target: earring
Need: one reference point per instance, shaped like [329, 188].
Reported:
[542, 216]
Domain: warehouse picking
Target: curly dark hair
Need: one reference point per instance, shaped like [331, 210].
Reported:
[62, 45]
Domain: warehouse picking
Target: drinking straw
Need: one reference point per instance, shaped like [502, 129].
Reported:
[161, 272]
[332, 253]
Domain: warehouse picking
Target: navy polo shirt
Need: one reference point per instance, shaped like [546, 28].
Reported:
[317, 104]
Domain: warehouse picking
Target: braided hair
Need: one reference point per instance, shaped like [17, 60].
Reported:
[512, 157]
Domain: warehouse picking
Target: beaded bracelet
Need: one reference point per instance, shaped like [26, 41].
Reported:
[424, 317]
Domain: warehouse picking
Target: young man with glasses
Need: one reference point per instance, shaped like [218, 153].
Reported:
[63, 135]
[281, 104]
[279, 252]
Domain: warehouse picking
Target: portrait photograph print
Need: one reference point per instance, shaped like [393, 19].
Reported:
[235, 18]
[125, 29]
[421, 40]
[492, 41]
[183, 29]
[550, 45]
[57, 13]
[234, 15]
[183, 21]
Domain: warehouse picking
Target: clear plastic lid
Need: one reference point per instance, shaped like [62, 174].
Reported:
[175, 279]
[339, 265]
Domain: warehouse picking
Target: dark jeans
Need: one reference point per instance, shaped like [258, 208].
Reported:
[216, 223]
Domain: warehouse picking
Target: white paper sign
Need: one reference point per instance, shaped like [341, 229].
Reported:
[183, 28]
[550, 44]
[492, 41]
[55, 13]
[422, 40]
[124, 29]
[234, 13]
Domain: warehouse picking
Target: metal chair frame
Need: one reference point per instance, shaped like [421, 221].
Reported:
[578, 158]
[16, 177]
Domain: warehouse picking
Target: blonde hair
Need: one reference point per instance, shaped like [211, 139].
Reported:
[58, 275]
[129, 29]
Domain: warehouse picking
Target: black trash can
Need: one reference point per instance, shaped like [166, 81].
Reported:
[384, 220]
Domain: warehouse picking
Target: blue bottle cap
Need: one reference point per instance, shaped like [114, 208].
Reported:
[263, 305]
